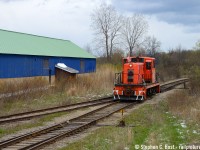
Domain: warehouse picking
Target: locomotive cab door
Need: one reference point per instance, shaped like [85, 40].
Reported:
[148, 71]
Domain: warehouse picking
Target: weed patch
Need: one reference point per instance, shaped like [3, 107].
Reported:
[153, 125]
[85, 87]
[37, 122]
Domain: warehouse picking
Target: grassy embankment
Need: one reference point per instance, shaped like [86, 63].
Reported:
[173, 121]
[86, 87]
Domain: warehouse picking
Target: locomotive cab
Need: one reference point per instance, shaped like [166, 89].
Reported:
[132, 73]
[137, 79]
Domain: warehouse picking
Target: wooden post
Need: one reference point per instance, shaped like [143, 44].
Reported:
[184, 85]
[49, 76]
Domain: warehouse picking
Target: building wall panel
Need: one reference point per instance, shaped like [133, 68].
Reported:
[14, 66]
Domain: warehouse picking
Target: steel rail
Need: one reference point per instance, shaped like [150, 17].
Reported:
[102, 114]
[52, 110]
[53, 133]
[85, 121]
[169, 85]
[41, 112]
[75, 130]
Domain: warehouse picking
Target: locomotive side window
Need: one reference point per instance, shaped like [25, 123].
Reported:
[148, 65]
[133, 59]
[130, 75]
[141, 60]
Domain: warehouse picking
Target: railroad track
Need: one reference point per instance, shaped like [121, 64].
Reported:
[47, 135]
[37, 113]
[43, 137]
[47, 111]
[171, 84]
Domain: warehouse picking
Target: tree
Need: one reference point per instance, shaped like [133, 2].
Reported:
[197, 45]
[133, 30]
[88, 48]
[151, 45]
[117, 56]
[106, 23]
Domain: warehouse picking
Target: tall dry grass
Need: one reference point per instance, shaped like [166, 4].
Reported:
[18, 95]
[84, 87]
[23, 84]
[184, 105]
[99, 82]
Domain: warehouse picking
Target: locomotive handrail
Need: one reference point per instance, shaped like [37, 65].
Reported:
[118, 77]
[137, 80]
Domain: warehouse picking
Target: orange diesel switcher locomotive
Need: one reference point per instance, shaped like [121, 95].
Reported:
[137, 80]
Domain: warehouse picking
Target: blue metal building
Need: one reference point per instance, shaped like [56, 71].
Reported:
[25, 55]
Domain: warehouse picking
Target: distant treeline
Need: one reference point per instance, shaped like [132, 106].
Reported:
[180, 63]
[170, 65]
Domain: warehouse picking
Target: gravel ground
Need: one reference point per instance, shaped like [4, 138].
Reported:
[112, 120]
[66, 117]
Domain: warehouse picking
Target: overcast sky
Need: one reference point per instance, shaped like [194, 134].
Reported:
[173, 22]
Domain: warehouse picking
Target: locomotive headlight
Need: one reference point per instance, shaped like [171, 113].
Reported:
[130, 65]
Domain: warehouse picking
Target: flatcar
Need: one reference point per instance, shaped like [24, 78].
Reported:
[138, 79]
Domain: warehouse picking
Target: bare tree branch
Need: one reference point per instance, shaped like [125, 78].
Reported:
[133, 30]
[106, 23]
[151, 45]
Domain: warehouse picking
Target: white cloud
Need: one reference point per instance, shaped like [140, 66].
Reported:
[172, 22]
[171, 35]
[70, 20]
[66, 19]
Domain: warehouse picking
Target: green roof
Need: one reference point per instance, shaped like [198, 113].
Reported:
[27, 44]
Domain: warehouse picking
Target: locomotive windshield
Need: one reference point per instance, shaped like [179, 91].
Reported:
[137, 59]
[133, 60]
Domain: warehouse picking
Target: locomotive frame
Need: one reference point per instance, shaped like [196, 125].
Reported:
[138, 79]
